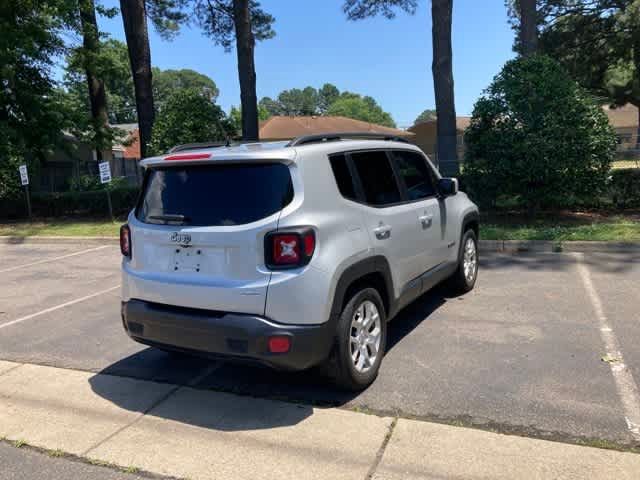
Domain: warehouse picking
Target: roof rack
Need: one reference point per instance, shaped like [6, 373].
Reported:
[199, 146]
[335, 137]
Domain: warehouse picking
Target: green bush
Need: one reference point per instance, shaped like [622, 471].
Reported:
[91, 183]
[624, 187]
[92, 203]
[537, 137]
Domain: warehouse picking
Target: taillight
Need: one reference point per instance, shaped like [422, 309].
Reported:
[289, 249]
[125, 240]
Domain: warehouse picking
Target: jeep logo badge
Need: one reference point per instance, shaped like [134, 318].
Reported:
[181, 238]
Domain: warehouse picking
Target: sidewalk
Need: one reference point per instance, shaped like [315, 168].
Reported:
[187, 433]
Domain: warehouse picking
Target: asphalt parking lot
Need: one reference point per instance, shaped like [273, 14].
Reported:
[522, 353]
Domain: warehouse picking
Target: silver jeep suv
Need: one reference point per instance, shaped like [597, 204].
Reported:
[291, 254]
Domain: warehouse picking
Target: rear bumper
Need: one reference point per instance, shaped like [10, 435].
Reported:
[231, 336]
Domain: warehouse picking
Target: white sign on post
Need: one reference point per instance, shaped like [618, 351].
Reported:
[105, 172]
[24, 176]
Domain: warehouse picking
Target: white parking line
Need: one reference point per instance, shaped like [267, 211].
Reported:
[625, 383]
[57, 307]
[18, 267]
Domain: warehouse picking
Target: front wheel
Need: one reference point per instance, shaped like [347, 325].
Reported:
[464, 278]
[361, 341]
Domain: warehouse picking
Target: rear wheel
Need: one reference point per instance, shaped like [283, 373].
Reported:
[361, 341]
[464, 278]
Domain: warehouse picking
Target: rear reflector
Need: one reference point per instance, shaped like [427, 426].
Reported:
[189, 156]
[286, 249]
[125, 240]
[279, 344]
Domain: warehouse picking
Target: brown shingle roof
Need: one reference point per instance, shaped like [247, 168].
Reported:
[622, 117]
[461, 124]
[286, 127]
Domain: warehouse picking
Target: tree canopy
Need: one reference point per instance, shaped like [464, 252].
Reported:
[327, 100]
[360, 108]
[428, 114]
[166, 82]
[597, 41]
[31, 111]
[113, 67]
[188, 117]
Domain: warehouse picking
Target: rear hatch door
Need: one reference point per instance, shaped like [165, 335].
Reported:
[198, 234]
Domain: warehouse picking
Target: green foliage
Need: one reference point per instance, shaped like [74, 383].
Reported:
[597, 41]
[166, 82]
[624, 187]
[166, 16]
[215, 17]
[327, 94]
[91, 183]
[188, 117]
[76, 204]
[357, 107]
[537, 136]
[328, 100]
[32, 115]
[359, 9]
[428, 114]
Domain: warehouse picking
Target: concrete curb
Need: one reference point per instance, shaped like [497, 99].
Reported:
[516, 246]
[507, 246]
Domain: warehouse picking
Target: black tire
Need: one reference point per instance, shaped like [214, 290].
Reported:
[459, 282]
[340, 366]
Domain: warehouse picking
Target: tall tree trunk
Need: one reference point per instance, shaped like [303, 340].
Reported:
[245, 44]
[528, 27]
[134, 18]
[97, 95]
[441, 17]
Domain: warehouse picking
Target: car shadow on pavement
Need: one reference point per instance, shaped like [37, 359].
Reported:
[256, 387]
[557, 262]
[200, 408]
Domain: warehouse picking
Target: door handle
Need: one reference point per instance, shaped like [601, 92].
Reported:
[426, 220]
[382, 232]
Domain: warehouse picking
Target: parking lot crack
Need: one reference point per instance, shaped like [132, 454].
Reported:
[381, 450]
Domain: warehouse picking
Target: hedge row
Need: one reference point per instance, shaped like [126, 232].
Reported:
[60, 204]
[622, 190]
[624, 187]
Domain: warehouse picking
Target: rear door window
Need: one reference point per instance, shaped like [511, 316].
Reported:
[377, 177]
[415, 174]
[214, 195]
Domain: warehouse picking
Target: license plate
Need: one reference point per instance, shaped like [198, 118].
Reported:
[187, 260]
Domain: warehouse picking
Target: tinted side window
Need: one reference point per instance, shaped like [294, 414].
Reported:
[413, 169]
[378, 181]
[343, 176]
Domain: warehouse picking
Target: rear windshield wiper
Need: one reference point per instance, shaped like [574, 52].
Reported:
[169, 218]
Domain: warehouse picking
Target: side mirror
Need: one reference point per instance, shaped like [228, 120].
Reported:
[447, 187]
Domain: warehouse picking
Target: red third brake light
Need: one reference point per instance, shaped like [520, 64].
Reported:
[189, 156]
[125, 240]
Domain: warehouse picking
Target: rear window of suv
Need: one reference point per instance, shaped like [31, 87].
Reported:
[214, 195]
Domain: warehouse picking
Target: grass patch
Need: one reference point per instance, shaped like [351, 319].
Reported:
[558, 227]
[570, 227]
[62, 227]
